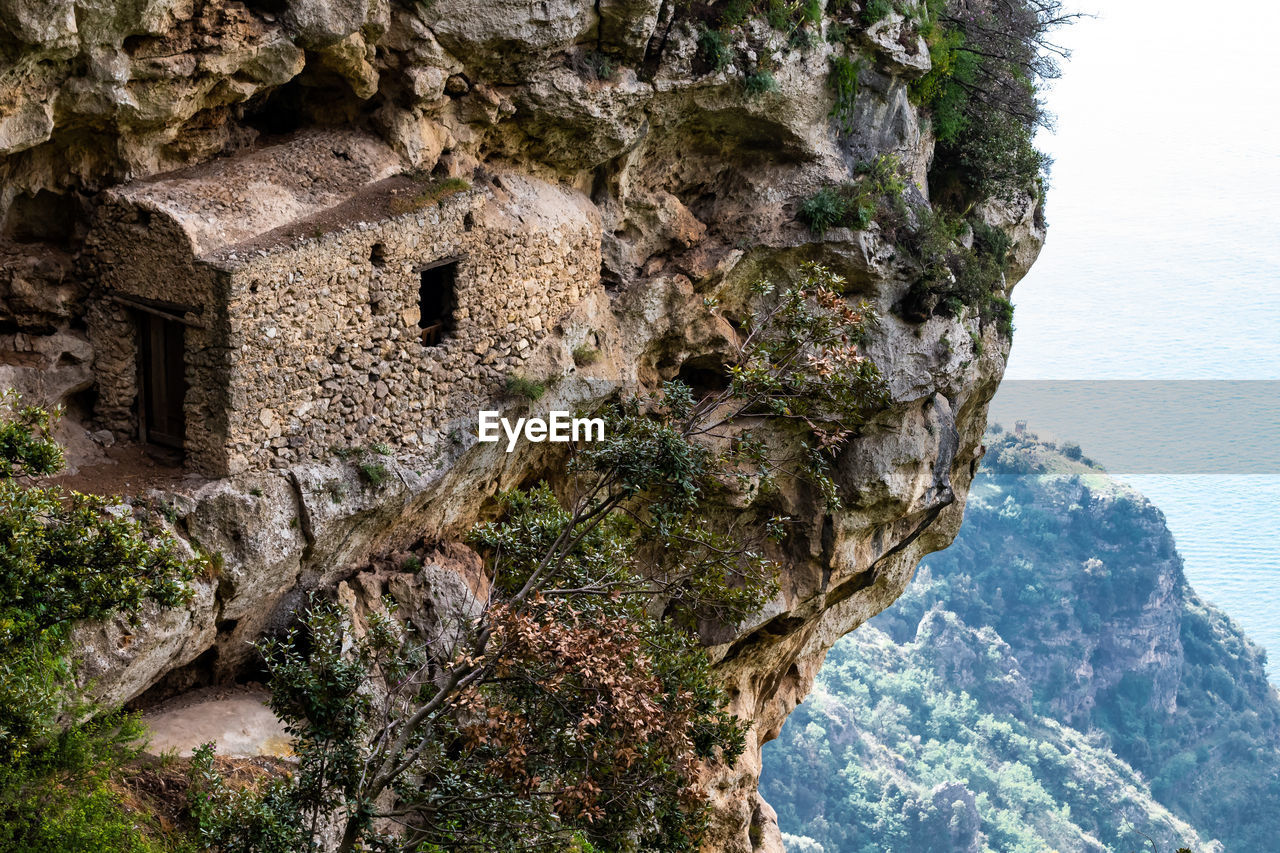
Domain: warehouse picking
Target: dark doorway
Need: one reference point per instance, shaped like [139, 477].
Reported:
[437, 301]
[162, 385]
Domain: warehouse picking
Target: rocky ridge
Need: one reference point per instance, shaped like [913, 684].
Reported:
[696, 182]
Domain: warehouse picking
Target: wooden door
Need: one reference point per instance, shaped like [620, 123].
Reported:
[162, 370]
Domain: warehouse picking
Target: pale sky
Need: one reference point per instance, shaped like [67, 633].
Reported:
[1164, 210]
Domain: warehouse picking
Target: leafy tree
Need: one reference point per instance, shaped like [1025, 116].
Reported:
[65, 557]
[577, 701]
[988, 57]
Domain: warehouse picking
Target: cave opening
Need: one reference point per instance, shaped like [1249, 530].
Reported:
[41, 217]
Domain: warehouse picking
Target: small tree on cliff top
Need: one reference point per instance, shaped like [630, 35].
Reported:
[578, 702]
[988, 58]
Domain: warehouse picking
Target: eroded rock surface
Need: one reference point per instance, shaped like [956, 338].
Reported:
[694, 184]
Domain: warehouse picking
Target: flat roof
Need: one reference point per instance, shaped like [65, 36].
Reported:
[238, 199]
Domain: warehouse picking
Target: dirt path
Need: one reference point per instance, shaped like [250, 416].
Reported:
[237, 719]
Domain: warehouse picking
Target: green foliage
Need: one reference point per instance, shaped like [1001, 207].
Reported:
[843, 80]
[240, 820]
[875, 10]
[715, 49]
[876, 195]
[1053, 565]
[805, 367]
[27, 447]
[65, 558]
[995, 158]
[1000, 310]
[950, 277]
[434, 191]
[798, 20]
[945, 89]
[981, 93]
[601, 66]
[373, 473]
[585, 355]
[831, 208]
[783, 15]
[524, 388]
[858, 764]
[760, 82]
[59, 799]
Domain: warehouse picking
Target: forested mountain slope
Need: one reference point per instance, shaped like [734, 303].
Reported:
[1048, 682]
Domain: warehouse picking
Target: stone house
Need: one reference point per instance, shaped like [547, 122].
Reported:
[272, 307]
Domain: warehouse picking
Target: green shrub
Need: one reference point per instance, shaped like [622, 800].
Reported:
[736, 12]
[435, 191]
[991, 242]
[60, 798]
[65, 558]
[760, 82]
[527, 389]
[243, 820]
[875, 10]
[876, 195]
[600, 66]
[1000, 310]
[585, 355]
[373, 473]
[976, 340]
[951, 278]
[715, 49]
[981, 95]
[836, 207]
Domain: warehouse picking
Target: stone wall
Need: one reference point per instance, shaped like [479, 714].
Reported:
[328, 353]
[306, 339]
[139, 253]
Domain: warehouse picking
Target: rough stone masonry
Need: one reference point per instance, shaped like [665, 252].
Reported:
[306, 329]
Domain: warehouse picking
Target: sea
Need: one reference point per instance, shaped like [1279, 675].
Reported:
[1158, 290]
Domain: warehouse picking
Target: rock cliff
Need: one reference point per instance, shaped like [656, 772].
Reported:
[695, 165]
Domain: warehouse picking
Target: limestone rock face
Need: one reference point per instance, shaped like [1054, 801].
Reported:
[692, 184]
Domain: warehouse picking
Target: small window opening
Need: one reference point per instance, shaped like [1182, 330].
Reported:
[378, 255]
[437, 302]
